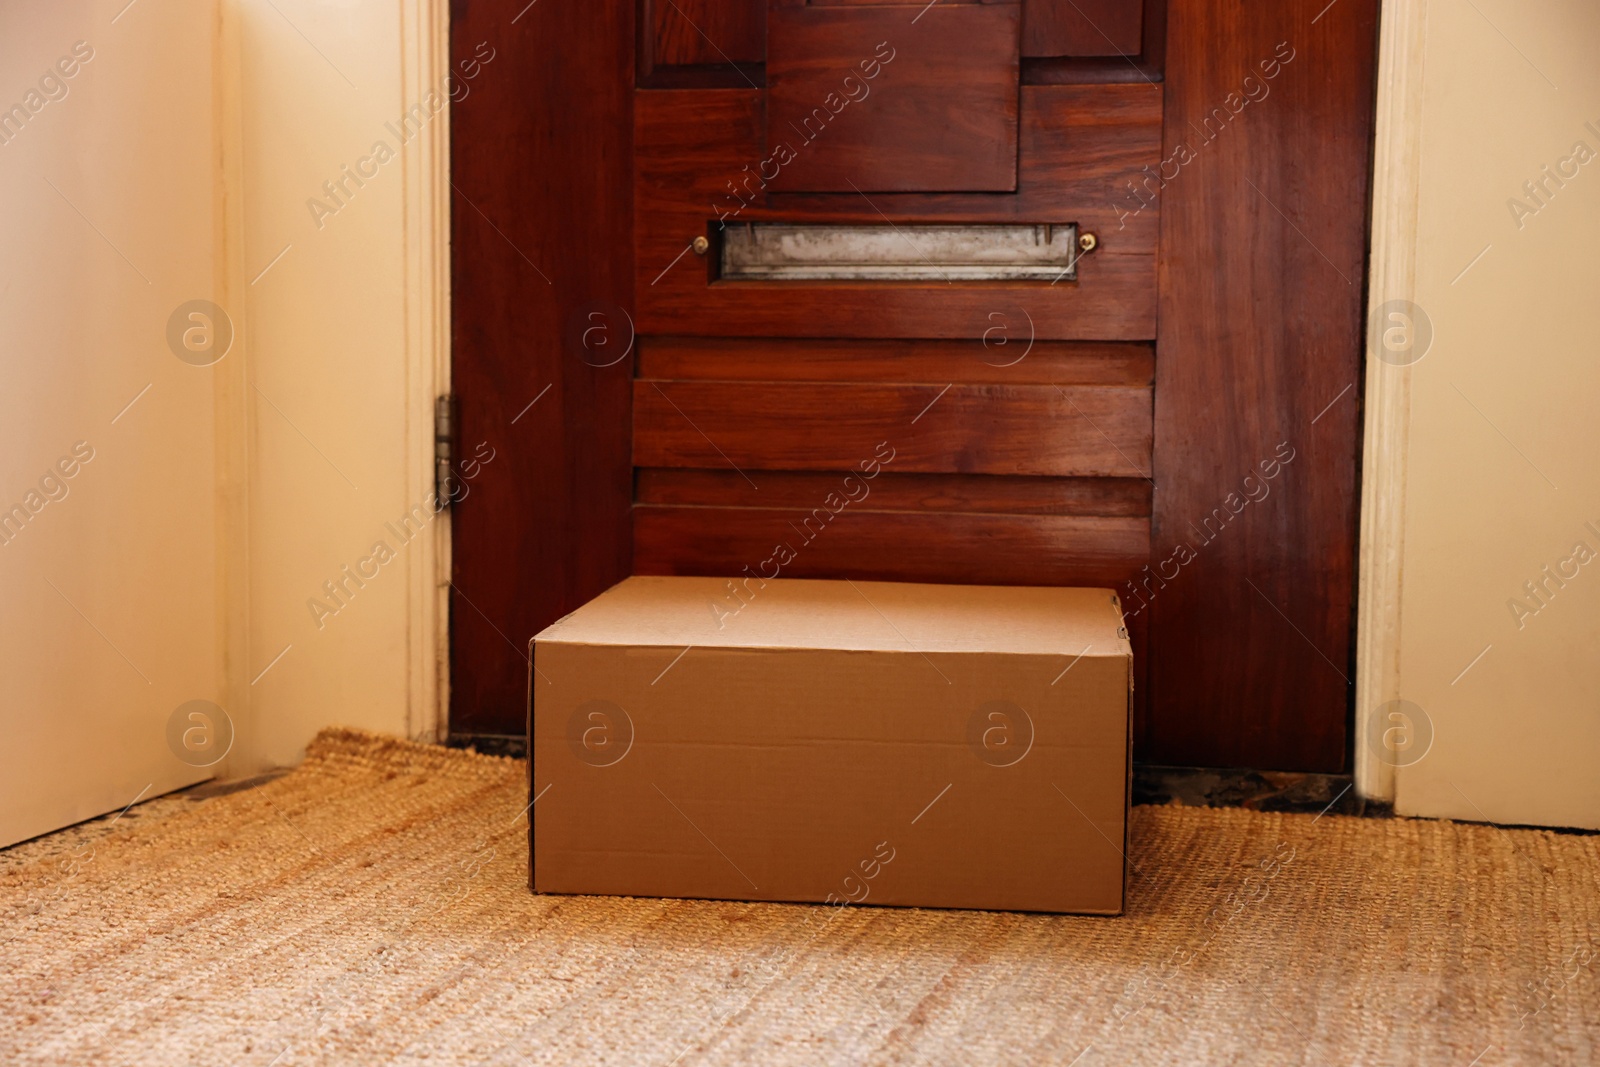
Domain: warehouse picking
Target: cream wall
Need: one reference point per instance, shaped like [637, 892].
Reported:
[110, 599]
[220, 503]
[1500, 478]
[346, 340]
[175, 163]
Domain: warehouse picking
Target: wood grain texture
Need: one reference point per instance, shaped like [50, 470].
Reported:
[719, 32]
[893, 98]
[1082, 27]
[704, 32]
[1154, 50]
[1001, 359]
[546, 526]
[1081, 147]
[891, 545]
[699, 156]
[1263, 253]
[1261, 236]
[978, 429]
[896, 491]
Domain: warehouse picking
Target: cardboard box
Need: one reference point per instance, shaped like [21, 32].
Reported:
[821, 741]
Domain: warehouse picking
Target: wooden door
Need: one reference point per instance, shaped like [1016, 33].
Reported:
[1151, 418]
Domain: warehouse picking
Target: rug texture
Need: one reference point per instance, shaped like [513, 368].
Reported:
[373, 907]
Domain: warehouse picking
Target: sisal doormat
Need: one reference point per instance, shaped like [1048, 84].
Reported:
[372, 907]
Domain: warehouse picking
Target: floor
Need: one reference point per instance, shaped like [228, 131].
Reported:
[371, 906]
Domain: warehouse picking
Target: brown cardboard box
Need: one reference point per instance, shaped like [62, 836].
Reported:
[872, 742]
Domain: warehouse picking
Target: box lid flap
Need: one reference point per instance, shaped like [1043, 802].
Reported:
[852, 615]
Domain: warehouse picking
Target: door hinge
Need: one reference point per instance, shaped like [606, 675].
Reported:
[446, 421]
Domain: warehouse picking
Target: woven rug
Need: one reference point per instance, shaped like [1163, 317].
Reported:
[372, 907]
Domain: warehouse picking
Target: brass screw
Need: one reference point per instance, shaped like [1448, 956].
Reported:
[700, 244]
[1088, 242]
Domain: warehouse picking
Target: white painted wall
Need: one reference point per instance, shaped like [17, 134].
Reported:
[181, 556]
[182, 158]
[1500, 478]
[345, 306]
[110, 604]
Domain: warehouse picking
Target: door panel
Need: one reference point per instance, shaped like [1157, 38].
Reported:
[942, 115]
[1015, 396]
[709, 33]
[896, 545]
[698, 155]
[1082, 27]
[860, 360]
[1263, 262]
[540, 227]
[1071, 432]
[898, 491]
[689, 33]
[956, 428]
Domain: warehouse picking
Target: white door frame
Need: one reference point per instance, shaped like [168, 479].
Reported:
[424, 62]
[425, 38]
[1396, 173]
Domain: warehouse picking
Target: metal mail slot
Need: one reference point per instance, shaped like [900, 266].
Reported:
[777, 251]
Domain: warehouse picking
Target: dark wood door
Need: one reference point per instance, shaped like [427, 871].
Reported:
[1168, 415]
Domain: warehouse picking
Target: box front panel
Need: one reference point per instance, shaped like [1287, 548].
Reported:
[964, 781]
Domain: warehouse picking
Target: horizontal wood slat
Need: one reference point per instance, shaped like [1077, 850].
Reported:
[712, 32]
[915, 5]
[893, 546]
[975, 429]
[1005, 357]
[699, 155]
[894, 491]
